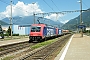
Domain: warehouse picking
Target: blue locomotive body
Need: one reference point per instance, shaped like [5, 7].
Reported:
[49, 31]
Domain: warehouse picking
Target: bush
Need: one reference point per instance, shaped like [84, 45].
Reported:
[6, 34]
[12, 34]
[9, 31]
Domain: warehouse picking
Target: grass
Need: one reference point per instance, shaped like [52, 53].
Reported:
[14, 37]
[1, 49]
[7, 58]
[43, 44]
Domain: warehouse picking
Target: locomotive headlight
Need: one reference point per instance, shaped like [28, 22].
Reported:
[38, 34]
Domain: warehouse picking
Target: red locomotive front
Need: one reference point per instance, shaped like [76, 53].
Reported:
[36, 33]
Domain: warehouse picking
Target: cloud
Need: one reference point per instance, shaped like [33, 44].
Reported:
[64, 21]
[54, 17]
[21, 9]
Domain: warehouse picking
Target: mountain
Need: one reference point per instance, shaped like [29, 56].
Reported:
[28, 20]
[3, 23]
[73, 23]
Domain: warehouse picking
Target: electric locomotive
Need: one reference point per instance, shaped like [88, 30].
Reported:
[41, 32]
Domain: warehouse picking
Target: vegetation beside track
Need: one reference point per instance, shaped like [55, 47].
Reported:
[35, 47]
[7, 58]
[43, 43]
[14, 37]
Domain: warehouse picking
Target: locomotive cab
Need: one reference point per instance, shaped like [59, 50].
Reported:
[36, 33]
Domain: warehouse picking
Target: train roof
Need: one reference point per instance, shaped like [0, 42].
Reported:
[38, 25]
[44, 25]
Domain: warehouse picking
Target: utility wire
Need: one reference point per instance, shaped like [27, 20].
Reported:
[84, 4]
[57, 8]
[48, 5]
[55, 5]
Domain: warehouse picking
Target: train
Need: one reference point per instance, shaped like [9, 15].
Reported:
[42, 32]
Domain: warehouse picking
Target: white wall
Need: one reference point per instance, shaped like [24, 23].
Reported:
[88, 28]
[18, 30]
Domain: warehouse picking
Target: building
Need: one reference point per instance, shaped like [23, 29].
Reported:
[21, 29]
[18, 29]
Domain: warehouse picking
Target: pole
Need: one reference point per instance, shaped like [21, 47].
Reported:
[81, 18]
[34, 17]
[77, 25]
[11, 20]
[33, 12]
[56, 16]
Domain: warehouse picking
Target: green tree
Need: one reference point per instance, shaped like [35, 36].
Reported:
[9, 31]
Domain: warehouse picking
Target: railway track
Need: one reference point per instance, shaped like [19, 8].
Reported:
[8, 49]
[44, 53]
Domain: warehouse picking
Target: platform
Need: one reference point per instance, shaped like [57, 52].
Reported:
[13, 41]
[77, 48]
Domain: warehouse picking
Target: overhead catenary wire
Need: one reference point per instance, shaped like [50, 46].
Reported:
[48, 5]
[55, 5]
[63, 12]
[85, 4]
[57, 8]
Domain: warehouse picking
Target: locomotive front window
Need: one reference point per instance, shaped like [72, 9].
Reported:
[35, 29]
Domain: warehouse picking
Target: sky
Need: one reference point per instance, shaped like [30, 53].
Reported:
[28, 7]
